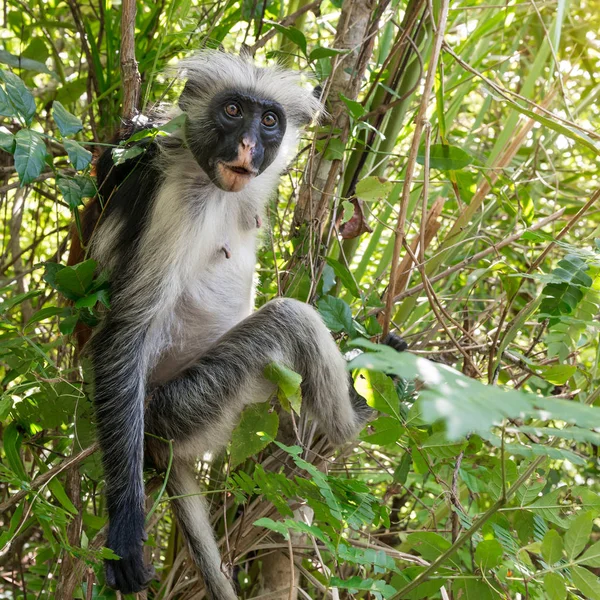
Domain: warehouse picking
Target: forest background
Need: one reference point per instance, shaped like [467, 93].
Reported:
[450, 196]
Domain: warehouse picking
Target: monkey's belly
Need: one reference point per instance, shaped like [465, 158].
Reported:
[198, 321]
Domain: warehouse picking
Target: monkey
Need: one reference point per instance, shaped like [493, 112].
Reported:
[181, 351]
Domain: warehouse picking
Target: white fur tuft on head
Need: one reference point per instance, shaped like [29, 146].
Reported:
[209, 72]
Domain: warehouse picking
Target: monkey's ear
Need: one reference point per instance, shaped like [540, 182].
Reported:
[318, 91]
[190, 92]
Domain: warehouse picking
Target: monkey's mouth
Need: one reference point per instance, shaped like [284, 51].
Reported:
[241, 170]
[233, 177]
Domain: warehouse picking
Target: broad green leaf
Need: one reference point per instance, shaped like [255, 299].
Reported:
[428, 544]
[557, 374]
[12, 445]
[288, 384]
[30, 154]
[347, 206]
[332, 148]
[7, 143]
[71, 191]
[383, 431]
[578, 534]
[464, 404]
[372, 189]
[75, 280]
[355, 109]
[379, 391]
[247, 439]
[79, 157]
[591, 557]
[445, 158]
[488, 554]
[318, 53]
[20, 97]
[586, 582]
[22, 62]
[120, 155]
[291, 33]
[439, 446]
[555, 588]
[336, 314]
[471, 589]
[344, 275]
[67, 123]
[552, 546]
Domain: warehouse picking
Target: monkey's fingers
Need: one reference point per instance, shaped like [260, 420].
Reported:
[129, 575]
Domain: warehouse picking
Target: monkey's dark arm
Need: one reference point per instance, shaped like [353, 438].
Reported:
[119, 357]
[119, 400]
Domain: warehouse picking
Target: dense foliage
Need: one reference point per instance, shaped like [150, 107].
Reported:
[451, 195]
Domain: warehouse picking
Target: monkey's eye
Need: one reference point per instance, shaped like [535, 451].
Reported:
[233, 110]
[269, 120]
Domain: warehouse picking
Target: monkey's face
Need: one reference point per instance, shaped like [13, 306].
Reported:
[238, 140]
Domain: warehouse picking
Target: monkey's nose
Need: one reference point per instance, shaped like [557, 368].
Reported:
[248, 143]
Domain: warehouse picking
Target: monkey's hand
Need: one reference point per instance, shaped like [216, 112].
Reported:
[126, 538]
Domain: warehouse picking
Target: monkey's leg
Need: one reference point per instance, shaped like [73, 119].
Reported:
[199, 408]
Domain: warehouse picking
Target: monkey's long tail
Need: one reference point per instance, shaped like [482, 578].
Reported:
[193, 519]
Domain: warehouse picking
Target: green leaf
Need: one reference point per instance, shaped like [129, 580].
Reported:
[578, 534]
[488, 554]
[12, 444]
[428, 544]
[552, 546]
[591, 557]
[557, 374]
[67, 123]
[288, 384]
[372, 189]
[7, 143]
[355, 109]
[439, 446]
[586, 582]
[291, 33]
[27, 64]
[58, 491]
[318, 53]
[445, 158]
[30, 154]
[71, 192]
[402, 470]
[379, 391]
[276, 526]
[79, 157]
[121, 155]
[344, 274]
[370, 585]
[387, 430]
[333, 148]
[20, 97]
[246, 439]
[336, 314]
[555, 587]
[75, 280]
[18, 299]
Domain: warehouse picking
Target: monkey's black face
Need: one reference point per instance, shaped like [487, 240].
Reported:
[239, 139]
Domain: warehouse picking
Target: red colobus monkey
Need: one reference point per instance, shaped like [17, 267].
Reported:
[181, 352]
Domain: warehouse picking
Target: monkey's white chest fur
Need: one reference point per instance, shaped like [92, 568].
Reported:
[210, 286]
